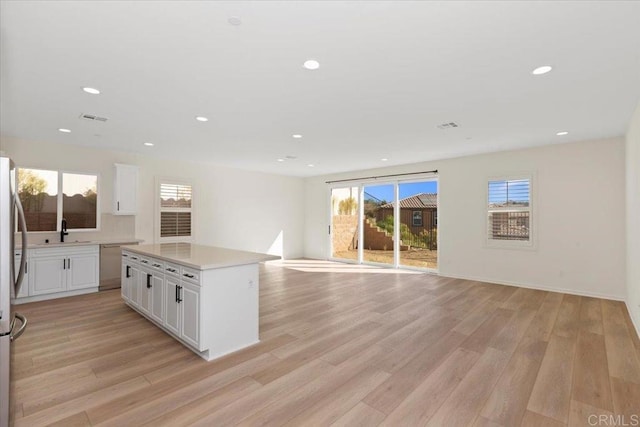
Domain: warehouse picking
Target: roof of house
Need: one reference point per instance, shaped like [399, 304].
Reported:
[419, 201]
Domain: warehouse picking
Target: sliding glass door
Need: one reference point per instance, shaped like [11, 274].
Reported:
[344, 223]
[418, 224]
[377, 224]
[394, 223]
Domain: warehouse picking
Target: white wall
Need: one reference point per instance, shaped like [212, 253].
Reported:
[579, 203]
[233, 208]
[633, 218]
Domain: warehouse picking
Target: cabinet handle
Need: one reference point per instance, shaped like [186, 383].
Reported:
[190, 276]
[157, 265]
[144, 261]
[69, 263]
[118, 205]
[179, 294]
[172, 270]
[64, 264]
[148, 280]
[128, 271]
[26, 267]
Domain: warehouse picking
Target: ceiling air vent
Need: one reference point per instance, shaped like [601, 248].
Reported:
[93, 117]
[449, 125]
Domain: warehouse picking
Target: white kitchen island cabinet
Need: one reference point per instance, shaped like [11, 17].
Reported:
[205, 297]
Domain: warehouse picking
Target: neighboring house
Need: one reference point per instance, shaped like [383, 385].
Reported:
[419, 212]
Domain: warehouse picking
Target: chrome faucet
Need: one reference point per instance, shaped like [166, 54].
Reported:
[63, 230]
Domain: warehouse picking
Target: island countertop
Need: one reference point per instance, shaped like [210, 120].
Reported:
[199, 256]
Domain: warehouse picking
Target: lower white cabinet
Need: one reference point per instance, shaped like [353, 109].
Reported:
[62, 269]
[189, 302]
[182, 306]
[213, 311]
[158, 291]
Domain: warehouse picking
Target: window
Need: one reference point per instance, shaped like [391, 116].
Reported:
[49, 196]
[417, 219]
[509, 211]
[175, 211]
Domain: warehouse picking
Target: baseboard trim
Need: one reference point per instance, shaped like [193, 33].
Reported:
[633, 320]
[536, 287]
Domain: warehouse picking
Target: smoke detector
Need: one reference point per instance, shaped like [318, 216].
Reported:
[93, 117]
[448, 125]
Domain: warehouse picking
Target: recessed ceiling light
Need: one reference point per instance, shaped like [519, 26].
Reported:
[64, 130]
[562, 133]
[234, 20]
[311, 64]
[281, 160]
[541, 70]
[149, 144]
[91, 90]
[384, 160]
[202, 119]
[296, 136]
[310, 165]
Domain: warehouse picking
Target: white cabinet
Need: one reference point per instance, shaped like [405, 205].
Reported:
[48, 274]
[189, 301]
[125, 189]
[62, 269]
[82, 271]
[182, 310]
[172, 317]
[157, 297]
[166, 293]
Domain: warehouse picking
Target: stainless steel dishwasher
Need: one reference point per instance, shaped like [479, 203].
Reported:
[110, 264]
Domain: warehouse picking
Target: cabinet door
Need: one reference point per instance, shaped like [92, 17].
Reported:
[48, 274]
[134, 288]
[172, 308]
[157, 297]
[125, 189]
[144, 288]
[125, 277]
[190, 301]
[82, 271]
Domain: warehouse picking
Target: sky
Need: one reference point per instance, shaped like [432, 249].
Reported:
[385, 192]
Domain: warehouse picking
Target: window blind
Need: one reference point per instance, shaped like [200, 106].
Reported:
[509, 210]
[175, 210]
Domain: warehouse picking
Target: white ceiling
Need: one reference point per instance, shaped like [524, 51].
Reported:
[390, 73]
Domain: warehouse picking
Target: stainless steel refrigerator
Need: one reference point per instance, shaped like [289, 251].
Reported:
[11, 326]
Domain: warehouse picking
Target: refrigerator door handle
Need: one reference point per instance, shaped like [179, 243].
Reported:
[23, 257]
[15, 335]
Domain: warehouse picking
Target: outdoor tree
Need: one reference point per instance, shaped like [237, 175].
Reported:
[31, 189]
[347, 206]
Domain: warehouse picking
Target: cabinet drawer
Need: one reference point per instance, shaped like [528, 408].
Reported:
[190, 275]
[172, 269]
[156, 264]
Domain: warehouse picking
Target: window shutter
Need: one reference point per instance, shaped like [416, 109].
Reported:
[175, 210]
[509, 210]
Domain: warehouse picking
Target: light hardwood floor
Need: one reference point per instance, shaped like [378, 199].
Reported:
[340, 346]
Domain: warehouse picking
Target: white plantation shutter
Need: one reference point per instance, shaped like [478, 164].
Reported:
[509, 210]
[175, 210]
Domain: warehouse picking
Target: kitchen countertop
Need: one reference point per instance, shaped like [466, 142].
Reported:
[79, 243]
[199, 256]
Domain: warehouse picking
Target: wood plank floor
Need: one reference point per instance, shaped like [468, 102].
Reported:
[340, 345]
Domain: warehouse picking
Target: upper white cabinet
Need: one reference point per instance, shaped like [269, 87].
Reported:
[125, 189]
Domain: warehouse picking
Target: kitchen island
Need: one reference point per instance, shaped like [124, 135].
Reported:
[206, 297]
